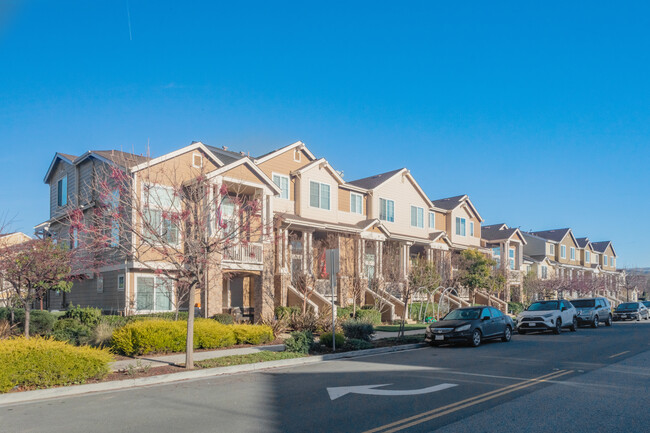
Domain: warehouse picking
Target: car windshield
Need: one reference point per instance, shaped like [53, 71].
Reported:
[646, 303]
[628, 306]
[584, 303]
[463, 314]
[544, 306]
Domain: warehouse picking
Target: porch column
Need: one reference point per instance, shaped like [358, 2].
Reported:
[379, 253]
[307, 252]
[505, 255]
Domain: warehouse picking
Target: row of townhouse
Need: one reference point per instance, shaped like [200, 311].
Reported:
[377, 224]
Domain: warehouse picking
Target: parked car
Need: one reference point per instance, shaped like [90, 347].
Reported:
[647, 305]
[470, 325]
[548, 316]
[592, 311]
[631, 311]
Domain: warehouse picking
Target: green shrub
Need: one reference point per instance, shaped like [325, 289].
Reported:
[41, 363]
[87, 315]
[167, 315]
[356, 344]
[359, 330]
[515, 307]
[225, 319]
[344, 312]
[210, 334]
[116, 321]
[102, 334]
[299, 342]
[40, 322]
[286, 312]
[72, 331]
[369, 315]
[253, 334]
[326, 339]
[159, 335]
[427, 311]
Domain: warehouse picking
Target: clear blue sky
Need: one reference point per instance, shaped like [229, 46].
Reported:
[540, 112]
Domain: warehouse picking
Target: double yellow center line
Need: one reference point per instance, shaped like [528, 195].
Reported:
[445, 410]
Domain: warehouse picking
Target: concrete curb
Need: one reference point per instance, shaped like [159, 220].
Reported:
[67, 391]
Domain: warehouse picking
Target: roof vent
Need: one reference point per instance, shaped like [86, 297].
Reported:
[224, 147]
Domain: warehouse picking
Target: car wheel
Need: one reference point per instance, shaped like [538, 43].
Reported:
[558, 326]
[609, 321]
[434, 344]
[507, 335]
[574, 325]
[521, 331]
[595, 324]
[638, 318]
[476, 338]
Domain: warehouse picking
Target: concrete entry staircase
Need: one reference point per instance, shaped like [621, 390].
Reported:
[483, 298]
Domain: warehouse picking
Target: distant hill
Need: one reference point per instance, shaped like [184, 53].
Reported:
[641, 271]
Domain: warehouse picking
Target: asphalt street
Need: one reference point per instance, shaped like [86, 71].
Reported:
[591, 380]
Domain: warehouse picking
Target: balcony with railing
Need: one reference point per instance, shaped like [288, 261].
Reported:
[248, 253]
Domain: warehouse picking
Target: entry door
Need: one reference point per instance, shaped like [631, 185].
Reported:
[237, 293]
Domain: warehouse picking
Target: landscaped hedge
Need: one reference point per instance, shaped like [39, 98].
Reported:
[367, 313]
[253, 334]
[286, 312]
[157, 335]
[87, 315]
[41, 363]
[40, 323]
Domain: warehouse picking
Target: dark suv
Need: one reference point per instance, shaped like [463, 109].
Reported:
[593, 311]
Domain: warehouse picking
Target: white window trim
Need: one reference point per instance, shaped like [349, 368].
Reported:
[432, 226]
[135, 293]
[288, 184]
[572, 253]
[417, 208]
[145, 186]
[123, 278]
[605, 260]
[379, 213]
[64, 199]
[458, 227]
[100, 284]
[329, 207]
[352, 195]
[471, 228]
[194, 155]
[563, 251]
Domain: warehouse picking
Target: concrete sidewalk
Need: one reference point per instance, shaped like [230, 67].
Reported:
[179, 358]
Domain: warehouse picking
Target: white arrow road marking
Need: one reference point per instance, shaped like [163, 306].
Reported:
[340, 391]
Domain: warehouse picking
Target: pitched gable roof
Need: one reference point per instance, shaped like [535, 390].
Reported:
[555, 235]
[582, 242]
[450, 202]
[274, 153]
[373, 182]
[601, 246]
[495, 226]
[494, 233]
[193, 146]
[225, 155]
[118, 157]
[322, 162]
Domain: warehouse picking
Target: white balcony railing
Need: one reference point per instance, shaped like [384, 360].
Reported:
[244, 253]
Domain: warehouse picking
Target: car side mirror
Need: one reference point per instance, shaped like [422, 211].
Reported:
[485, 318]
[564, 309]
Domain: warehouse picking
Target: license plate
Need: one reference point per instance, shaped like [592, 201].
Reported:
[532, 324]
[440, 337]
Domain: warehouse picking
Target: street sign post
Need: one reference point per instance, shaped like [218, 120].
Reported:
[332, 269]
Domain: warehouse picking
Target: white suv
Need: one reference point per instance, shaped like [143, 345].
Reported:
[548, 315]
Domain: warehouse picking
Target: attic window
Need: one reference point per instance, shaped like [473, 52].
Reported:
[197, 160]
[296, 155]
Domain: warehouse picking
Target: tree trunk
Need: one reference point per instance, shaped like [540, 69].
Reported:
[28, 315]
[189, 347]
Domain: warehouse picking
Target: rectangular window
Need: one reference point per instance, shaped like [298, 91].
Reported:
[100, 284]
[611, 262]
[587, 257]
[417, 217]
[75, 238]
[563, 251]
[120, 283]
[161, 203]
[115, 233]
[511, 256]
[386, 210]
[496, 251]
[356, 203]
[471, 228]
[197, 160]
[460, 226]
[432, 220]
[319, 195]
[153, 294]
[573, 253]
[544, 272]
[62, 191]
[551, 249]
[604, 260]
[283, 183]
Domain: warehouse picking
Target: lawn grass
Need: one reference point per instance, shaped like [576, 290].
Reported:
[251, 358]
[395, 328]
